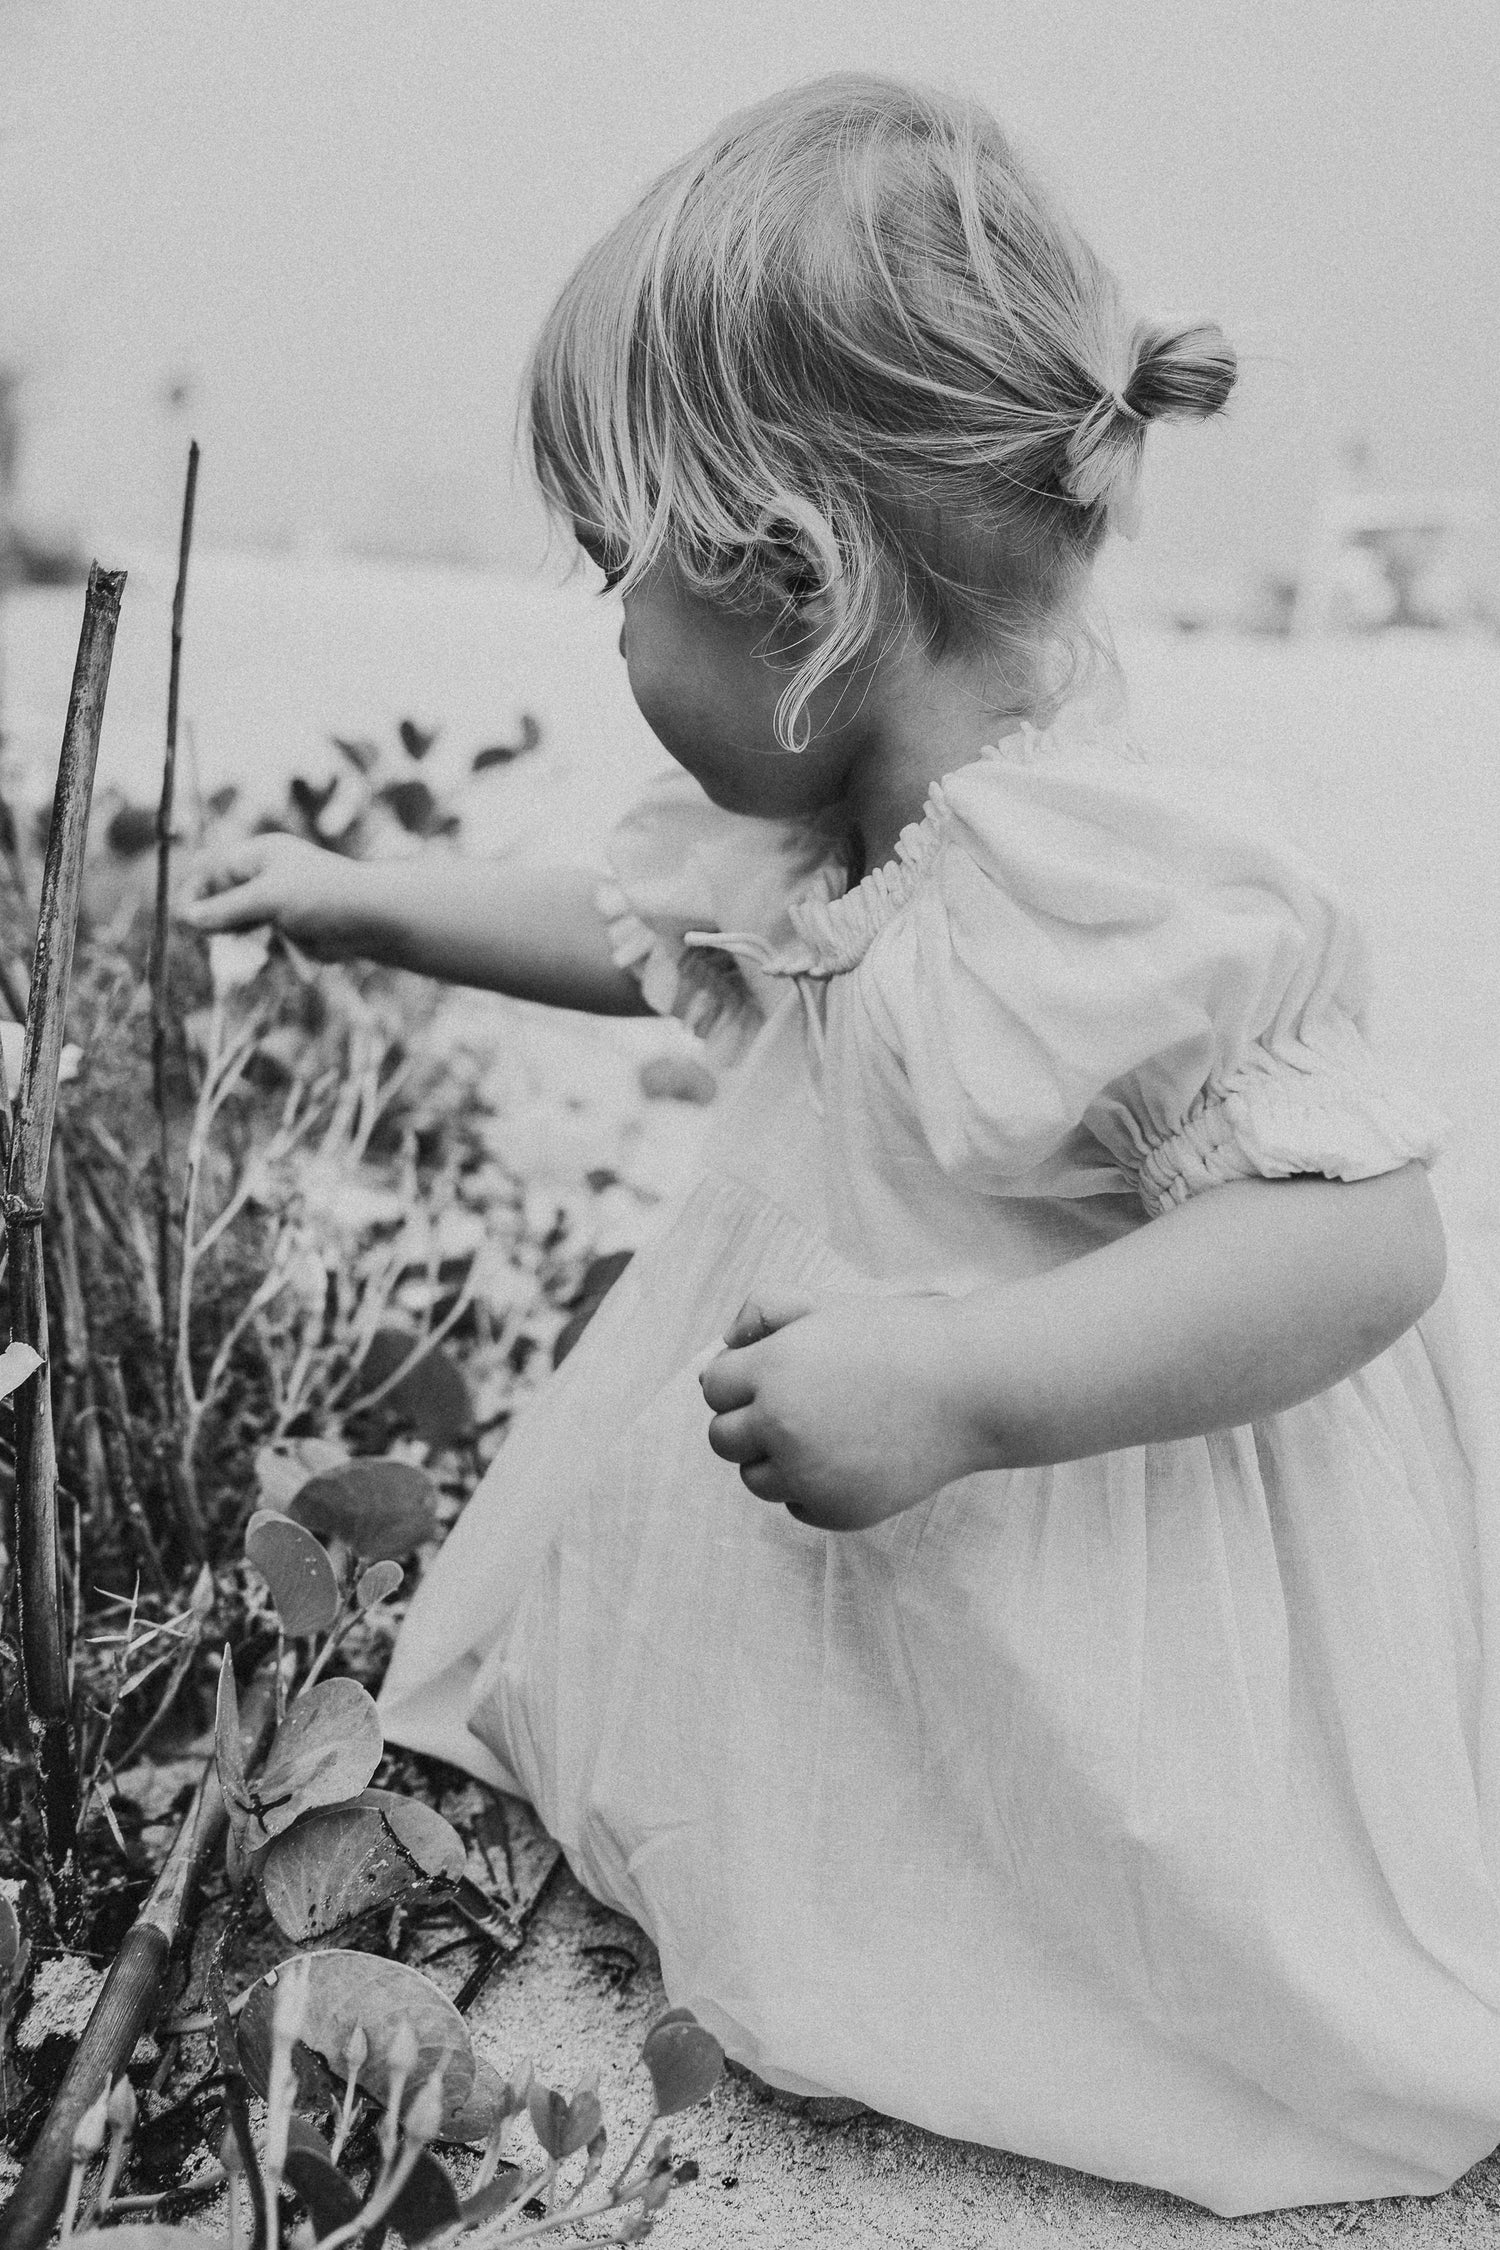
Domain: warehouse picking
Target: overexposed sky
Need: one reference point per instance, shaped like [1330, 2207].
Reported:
[337, 223]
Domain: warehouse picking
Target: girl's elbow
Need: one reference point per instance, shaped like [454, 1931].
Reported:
[1420, 1245]
[1433, 1260]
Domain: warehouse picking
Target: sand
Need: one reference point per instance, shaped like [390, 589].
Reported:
[774, 2176]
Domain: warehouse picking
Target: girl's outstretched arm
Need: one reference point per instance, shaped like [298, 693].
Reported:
[1239, 1304]
[533, 932]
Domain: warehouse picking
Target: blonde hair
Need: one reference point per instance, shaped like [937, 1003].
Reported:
[847, 361]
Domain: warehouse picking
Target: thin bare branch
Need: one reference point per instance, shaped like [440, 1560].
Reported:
[160, 1018]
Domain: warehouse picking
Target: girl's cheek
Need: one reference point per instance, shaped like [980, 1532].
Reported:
[661, 705]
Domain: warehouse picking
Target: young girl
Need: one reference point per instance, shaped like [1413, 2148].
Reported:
[1039, 1672]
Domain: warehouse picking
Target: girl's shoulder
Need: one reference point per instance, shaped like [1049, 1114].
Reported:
[1090, 967]
[1070, 828]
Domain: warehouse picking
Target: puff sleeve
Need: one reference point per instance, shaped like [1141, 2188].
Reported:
[1110, 979]
[678, 863]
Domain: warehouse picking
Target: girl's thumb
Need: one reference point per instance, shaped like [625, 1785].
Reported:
[759, 1317]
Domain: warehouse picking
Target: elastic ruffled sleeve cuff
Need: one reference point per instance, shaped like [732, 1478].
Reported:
[1273, 1118]
[702, 990]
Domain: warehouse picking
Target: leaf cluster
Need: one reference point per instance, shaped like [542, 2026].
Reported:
[266, 1406]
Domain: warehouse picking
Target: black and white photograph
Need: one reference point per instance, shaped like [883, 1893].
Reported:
[749, 1125]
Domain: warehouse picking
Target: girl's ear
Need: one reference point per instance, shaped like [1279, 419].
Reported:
[800, 551]
[600, 551]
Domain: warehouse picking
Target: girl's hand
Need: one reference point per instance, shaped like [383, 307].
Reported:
[845, 1412]
[315, 897]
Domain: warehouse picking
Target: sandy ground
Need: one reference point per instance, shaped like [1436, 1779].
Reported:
[1379, 756]
[775, 2176]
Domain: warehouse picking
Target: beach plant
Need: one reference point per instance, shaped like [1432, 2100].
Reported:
[390, 2074]
[279, 1291]
[366, 2049]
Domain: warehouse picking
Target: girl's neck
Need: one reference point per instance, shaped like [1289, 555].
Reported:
[921, 719]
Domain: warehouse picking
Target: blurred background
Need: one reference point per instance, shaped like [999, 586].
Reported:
[318, 235]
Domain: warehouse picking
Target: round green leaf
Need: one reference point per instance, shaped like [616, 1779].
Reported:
[313, 2177]
[378, 1583]
[427, 2204]
[339, 1863]
[349, 1992]
[382, 1509]
[563, 2125]
[297, 1570]
[11, 1950]
[423, 1834]
[501, 2192]
[17, 1361]
[432, 1395]
[333, 1866]
[490, 2101]
[282, 1470]
[325, 1751]
[684, 2060]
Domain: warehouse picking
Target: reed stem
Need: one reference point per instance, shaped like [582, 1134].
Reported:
[160, 1018]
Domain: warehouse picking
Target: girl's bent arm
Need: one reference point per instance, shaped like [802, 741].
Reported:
[1241, 1303]
[1238, 1305]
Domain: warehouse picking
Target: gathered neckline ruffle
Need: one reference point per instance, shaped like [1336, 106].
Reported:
[836, 922]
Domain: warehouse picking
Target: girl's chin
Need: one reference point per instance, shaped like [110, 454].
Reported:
[731, 794]
[729, 799]
[761, 796]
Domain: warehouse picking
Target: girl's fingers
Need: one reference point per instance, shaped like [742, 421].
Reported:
[221, 870]
[727, 1382]
[735, 1437]
[241, 908]
[759, 1317]
[763, 1478]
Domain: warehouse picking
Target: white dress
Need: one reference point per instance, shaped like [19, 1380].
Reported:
[1141, 1813]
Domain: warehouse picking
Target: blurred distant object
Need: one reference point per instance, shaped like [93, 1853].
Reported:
[376, 805]
[1225, 601]
[1382, 557]
[27, 557]
[380, 801]
[1378, 558]
[32, 558]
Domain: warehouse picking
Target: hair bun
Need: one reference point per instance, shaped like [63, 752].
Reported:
[1176, 372]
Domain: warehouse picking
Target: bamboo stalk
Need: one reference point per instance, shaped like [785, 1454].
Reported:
[44, 1666]
[160, 1019]
[128, 1998]
[82, 1401]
